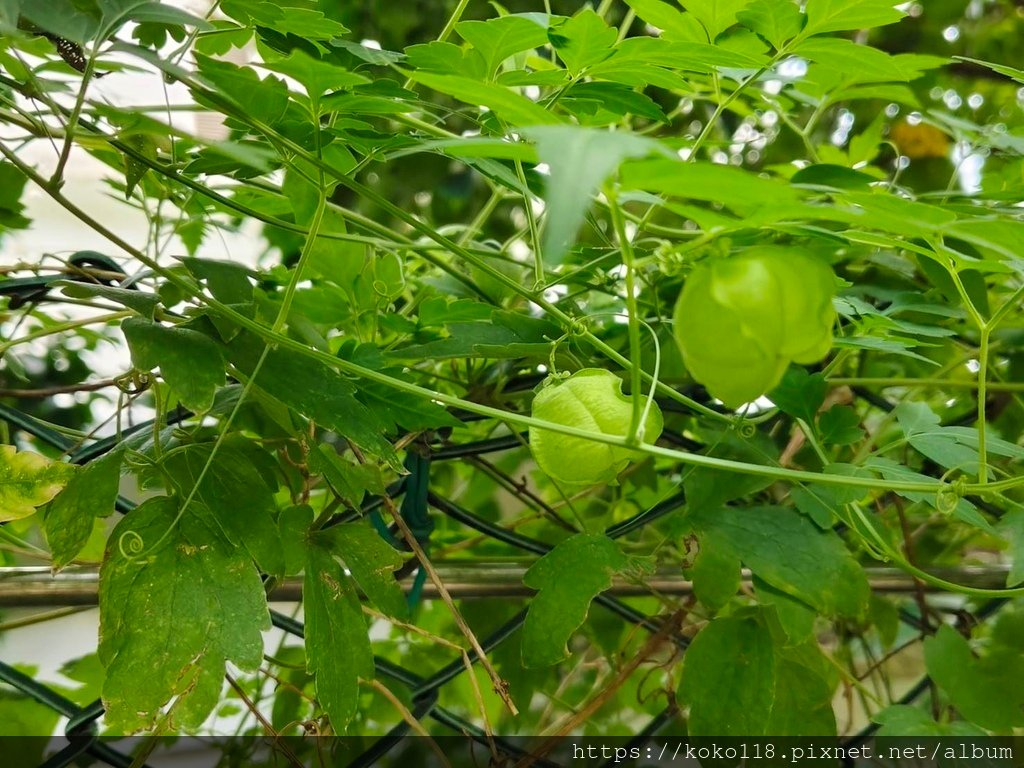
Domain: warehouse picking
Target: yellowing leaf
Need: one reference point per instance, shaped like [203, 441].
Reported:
[27, 481]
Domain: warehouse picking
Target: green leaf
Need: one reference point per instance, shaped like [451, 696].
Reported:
[497, 39]
[715, 574]
[715, 15]
[950, 447]
[1002, 69]
[27, 481]
[315, 391]
[90, 493]
[567, 578]
[348, 480]
[840, 425]
[860, 63]
[777, 21]
[905, 720]
[143, 303]
[171, 617]
[734, 188]
[1011, 528]
[372, 563]
[795, 617]
[800, 394]
[316, 75]
[338, 650]
[839, 15]
[674, 25]
[265, 100]
[168, 15]
[729, 678]
[508, 105]
[790, 553]
[77, 22]
[505, 335]
[294, 523]
[987, 690]
[189, 361]
[580, 159]
[12, 184]
[285, 19]
[445, 58]
[583, 40]
[238, 496]
[711, 488]
[805, 684]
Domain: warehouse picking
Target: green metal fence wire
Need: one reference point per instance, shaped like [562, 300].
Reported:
[81, 730]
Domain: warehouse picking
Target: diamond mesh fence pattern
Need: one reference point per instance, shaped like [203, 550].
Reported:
[81, 730]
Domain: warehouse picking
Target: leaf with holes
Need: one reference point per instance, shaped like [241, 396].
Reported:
[172, 615]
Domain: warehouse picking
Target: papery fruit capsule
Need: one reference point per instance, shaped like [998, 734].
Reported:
[592, 400]
[741, 321]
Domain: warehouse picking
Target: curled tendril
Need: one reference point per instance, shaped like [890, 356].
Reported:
[131, 545]
[948, 496]
[381, 289]
[134, 382]
[946, 499]
[578, 327]
[746, 429]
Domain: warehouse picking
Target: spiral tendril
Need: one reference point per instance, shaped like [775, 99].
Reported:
[131, 545]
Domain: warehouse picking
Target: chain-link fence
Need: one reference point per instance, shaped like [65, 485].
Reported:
[81, 730]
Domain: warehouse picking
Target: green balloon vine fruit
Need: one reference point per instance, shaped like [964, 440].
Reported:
[590, 399]
[741, 321]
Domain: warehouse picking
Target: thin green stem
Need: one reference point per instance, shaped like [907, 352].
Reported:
[346, 366]
[626, 246]
[897, 381]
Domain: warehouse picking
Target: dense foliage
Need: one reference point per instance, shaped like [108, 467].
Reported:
[789, 232]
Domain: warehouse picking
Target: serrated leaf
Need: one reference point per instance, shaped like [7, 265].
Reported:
[729, 678]
[580, 159]
[315, 391]
[567, 578]
[790, 553]
[28, 480]
[171, 617]
[674, 24]
[90, 493]
[497, 39]
[840, 425]
[338, 650]
[583, 40]
[715, 15]
[372, 563]
[237, 495]
[738, 189]
[1002, 69]
[347, 479]
[839, 15]
[800, 394]
[777, 21]
[190, 362]
[516, 109]
[317, 76]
